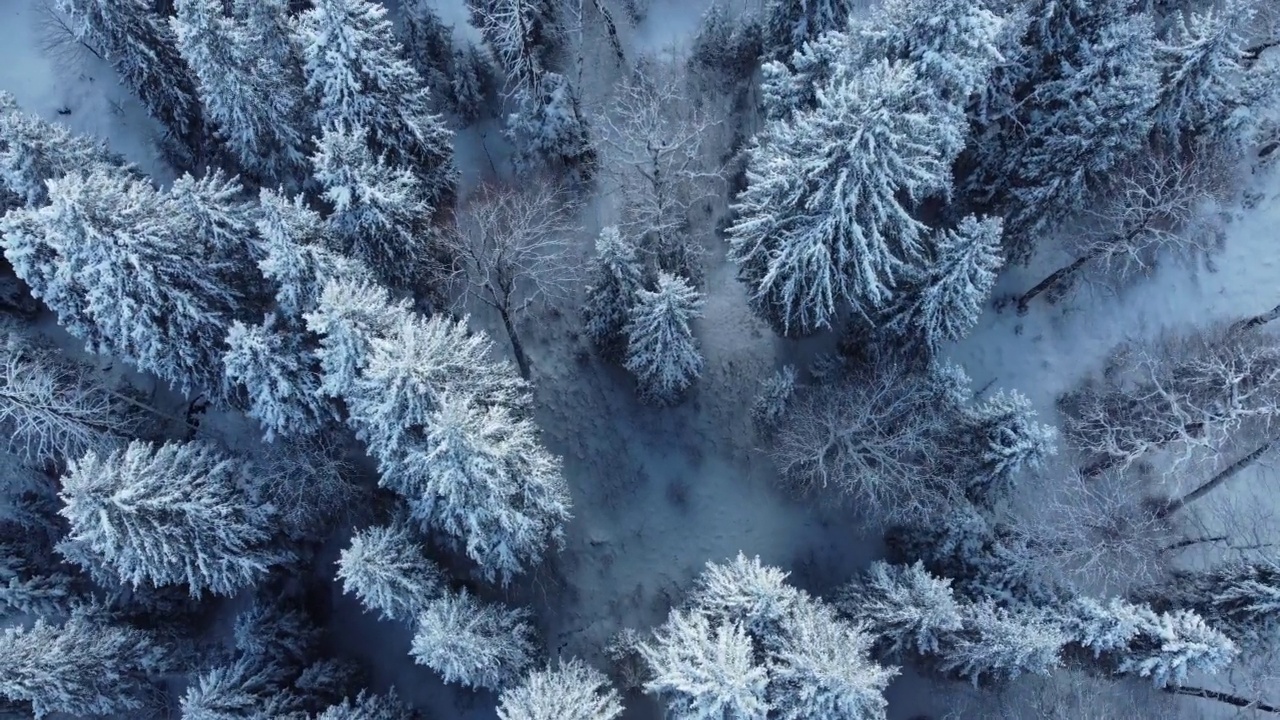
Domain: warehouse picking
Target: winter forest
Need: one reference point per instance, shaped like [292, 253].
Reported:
[639, 359]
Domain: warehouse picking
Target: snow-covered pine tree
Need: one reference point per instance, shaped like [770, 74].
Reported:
[945, 303]
[662, 352]
[481, 477]
[791, 24]
[359, 79]
[368, 706]
[82, 667]
[571, 691]
[379, 211]
[747, 592]
[548, 128]
[1242, 599]
[1007, 439]
[30, 583]
[142, 48]
[1003, 643]
[256, 105]
[295, 254]
[349, 314]
[126, 270]
[523, 34]
[33, 151]
[474, 84]
[909, 609]
[728, 45]
[241, 689]
[428, 43]
[705, 671]
[474, 644]
[826, 220]
[616, 276]
[820, 667]
[386, 568]
[215, 215]
[1203, 64]
[777, 392]
[278, 377]
[173, 514]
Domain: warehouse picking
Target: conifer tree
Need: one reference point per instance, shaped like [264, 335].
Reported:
[1242, 599]
[946, 302]
[385, 567]
[790, 24]
[615, 279]
[1002, 643]
[251, 99]
[661, 350]
[82, 667]
[349, 315]
[278, 377]
[173, 514]
[746, 591]
[826, 220]
[428, 43]
[704, 670]
[909, 609]
[570, 691]
[143, 50]
[548, 127]
[367, 706]
[474, 644]
[359, 80]
[1007, 439]
[33, 152]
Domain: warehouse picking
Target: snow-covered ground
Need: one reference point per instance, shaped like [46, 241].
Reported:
[658, 492]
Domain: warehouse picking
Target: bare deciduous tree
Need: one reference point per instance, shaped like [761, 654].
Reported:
[874, 439]
[1149, 211]
[652, 137]
[512, 249]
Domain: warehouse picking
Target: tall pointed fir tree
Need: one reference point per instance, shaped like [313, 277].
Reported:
[359, 80]
[571, 691]
[33, 152]
[82, 667]
[277, 376]
[143, 50]
[428, 44]
[662, 352]
[474, 644]
[257, 107]
[379, 211]
[171, 514]
[387, 569]
[827, 218]
[615, 278]
[132, 272]
[945, 303]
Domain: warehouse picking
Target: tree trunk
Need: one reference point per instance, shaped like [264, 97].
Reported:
[1256, 320]
[1056, 277]
[522, 361]
[1234, 700]
[1217, 481]
[1192, 541]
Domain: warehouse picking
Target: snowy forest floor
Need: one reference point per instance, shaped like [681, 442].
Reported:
[658, 492]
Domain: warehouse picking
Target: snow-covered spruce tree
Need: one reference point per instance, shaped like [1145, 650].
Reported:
[142, 48]
[1129, 639]
[826, 220]
[548, 128]
[255, 103]
[242, 688]
[368, 706]
[820, 667]
[727, 49]
[474, 84]
[571, 691]
[998, 643]
[428, 44]
[523, 34]
[662, 352]
[359, 80]
[54, 409]
[295, 254]
[791, 24]
[173, 514]
[777, 393]
[1242, 599]
[474, 644]
[82, 667]
[747, 592]
[1006, 439]
[128, 270]
[278, 377]
[944, 304]
[481, 477]
[349, 314]
[706, 671]
[33, 151]
[379, 211]
[386, 568]
[616, 275]
[216, 215]
[909, 609]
